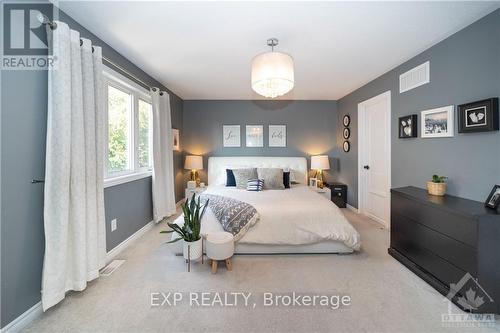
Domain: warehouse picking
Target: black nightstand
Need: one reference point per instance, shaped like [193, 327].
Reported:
[339, 194]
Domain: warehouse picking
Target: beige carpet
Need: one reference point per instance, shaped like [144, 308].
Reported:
[385, 296]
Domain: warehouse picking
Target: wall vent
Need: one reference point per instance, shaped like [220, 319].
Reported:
[415, 77]
[112, 266]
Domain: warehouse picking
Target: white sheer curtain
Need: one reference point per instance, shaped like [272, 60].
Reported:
[75, 240]
[163, 157]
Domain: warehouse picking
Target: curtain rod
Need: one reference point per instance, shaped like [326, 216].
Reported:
[53, 25]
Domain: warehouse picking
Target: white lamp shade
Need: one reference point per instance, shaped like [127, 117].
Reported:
[193, 162]
[320, 162]
[272, 74]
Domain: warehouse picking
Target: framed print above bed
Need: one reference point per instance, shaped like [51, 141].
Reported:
[255, 136]
[231, 136]
[437, 123]
[480, 116]
[277, 135]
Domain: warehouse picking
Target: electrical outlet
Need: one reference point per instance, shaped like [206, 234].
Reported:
[113, 225]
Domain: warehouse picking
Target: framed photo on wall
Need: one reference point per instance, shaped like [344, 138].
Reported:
[493, 200]
[437, 123]
[231, 136]
[277, 135]
[480, 116]
[408, 126]
[255, 136]
[176, 140]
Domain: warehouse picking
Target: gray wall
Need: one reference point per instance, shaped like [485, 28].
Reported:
[310, 128]
[23, 130]
[464, 68]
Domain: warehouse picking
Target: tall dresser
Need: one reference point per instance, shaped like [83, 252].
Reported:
[442, 238]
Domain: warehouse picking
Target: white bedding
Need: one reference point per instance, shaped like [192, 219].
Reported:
[295, 216]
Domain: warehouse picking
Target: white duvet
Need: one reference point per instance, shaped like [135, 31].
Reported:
[295, 216]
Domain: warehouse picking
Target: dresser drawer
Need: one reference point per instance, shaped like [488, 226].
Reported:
[457, 253]
[427, 260]
[405, 207]
[458, 227]
[455, 226]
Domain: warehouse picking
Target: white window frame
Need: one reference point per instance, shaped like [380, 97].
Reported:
[118, 81]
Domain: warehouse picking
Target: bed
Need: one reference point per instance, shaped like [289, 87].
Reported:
[295, 220]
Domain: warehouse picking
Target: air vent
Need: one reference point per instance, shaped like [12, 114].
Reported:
[415, 77]
[108, 270]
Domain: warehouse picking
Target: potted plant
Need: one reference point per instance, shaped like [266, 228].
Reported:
[189, 232]
[437, 186]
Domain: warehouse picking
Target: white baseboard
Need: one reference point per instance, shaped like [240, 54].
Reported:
[36, 310]
[24, 319]
[126, 243]
[354, 209]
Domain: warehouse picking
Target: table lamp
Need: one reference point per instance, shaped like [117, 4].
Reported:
[194, 163]
[320, 163]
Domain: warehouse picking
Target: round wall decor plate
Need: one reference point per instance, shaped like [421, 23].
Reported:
[346, 146]
[346, 133]
[346, 120]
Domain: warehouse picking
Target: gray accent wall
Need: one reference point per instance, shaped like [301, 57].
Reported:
[463, 68]
[23, 132]
[311, 127]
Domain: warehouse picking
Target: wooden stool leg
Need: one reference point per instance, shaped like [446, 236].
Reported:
[214, 266]
[229, 265]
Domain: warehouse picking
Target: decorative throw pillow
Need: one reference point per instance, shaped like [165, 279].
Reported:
[241, 176]
[255, 185]
[230, 181]
[286, 179]
[273, 178]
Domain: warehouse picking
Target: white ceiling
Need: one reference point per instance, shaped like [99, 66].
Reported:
[203, 50]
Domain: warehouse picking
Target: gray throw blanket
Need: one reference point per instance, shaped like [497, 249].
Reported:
[235, 216]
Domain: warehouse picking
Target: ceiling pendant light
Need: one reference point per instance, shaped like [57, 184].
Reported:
[272, 72]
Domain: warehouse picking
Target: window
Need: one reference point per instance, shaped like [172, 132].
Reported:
[129, 130]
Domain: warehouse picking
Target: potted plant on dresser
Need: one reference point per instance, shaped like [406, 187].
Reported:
[189, 232]
[437, 186]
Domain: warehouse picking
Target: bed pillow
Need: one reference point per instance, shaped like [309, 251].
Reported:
[241, 176]
[230, 181]
[255, 185]
[286, 179]
[273, 178]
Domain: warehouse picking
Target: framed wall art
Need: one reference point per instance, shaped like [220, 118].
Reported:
[408, 126]
[231, 136]
[437, 123]
[277, 135]
[480, 116]
[255, 136]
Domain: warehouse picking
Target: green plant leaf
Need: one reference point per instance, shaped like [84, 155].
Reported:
[174, 240]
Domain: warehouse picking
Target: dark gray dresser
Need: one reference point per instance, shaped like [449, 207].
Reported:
[443, 238]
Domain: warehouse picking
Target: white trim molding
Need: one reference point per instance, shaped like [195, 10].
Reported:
[24, 319]
[352, 208]
[109, 182]
[127, 242]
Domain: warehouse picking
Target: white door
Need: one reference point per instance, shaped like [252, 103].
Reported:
[374, 128]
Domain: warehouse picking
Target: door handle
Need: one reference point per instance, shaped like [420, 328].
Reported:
[367, 167]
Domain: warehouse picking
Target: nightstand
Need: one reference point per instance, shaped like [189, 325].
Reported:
[325, 191]
[339, 194]
[190, 191]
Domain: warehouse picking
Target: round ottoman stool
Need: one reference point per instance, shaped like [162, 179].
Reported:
[220, 246]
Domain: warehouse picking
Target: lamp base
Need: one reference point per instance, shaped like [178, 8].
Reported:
[319, 179]
[194, 177]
